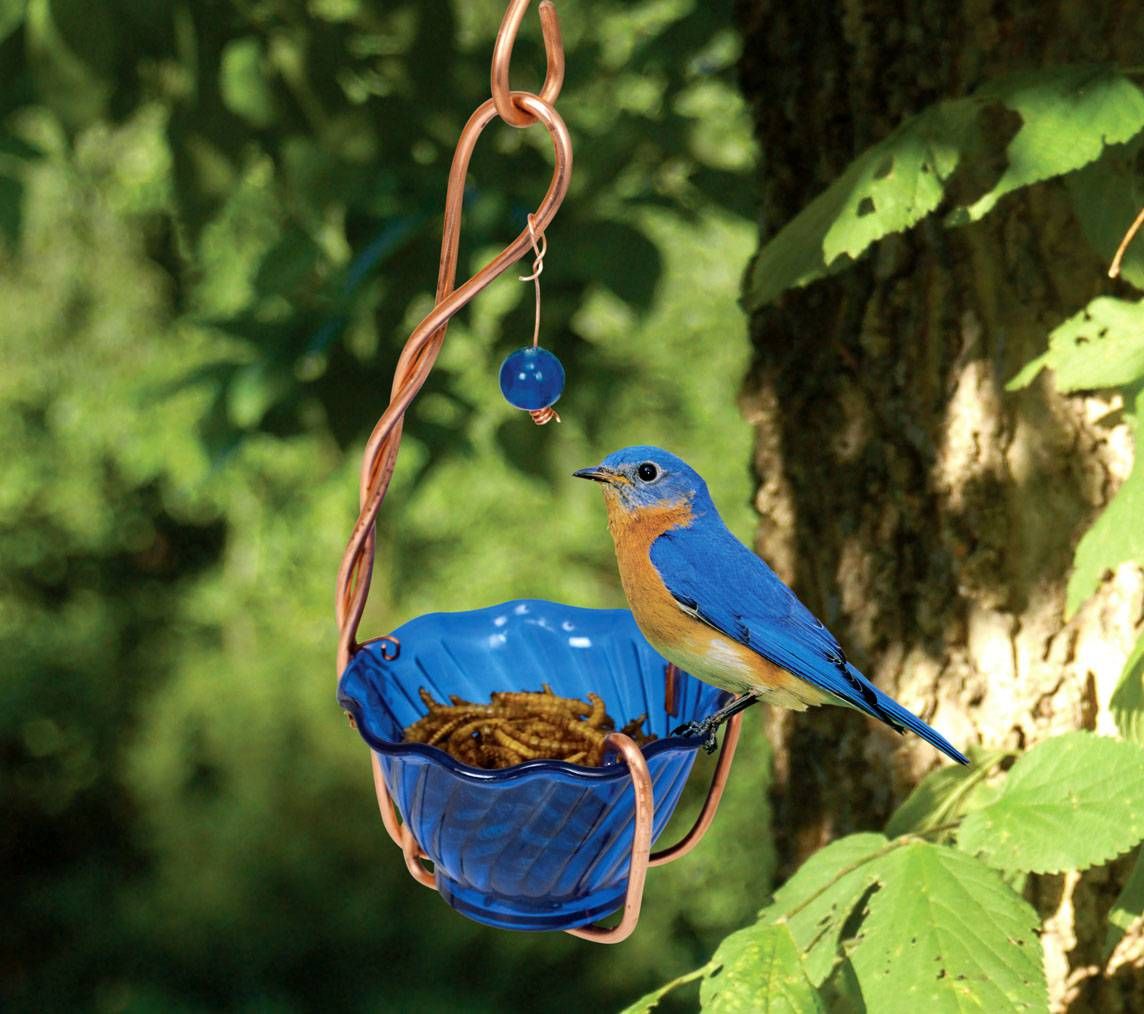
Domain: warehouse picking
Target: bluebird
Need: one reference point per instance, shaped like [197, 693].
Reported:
[715, 609]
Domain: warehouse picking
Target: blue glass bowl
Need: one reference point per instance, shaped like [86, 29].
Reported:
[544, 845]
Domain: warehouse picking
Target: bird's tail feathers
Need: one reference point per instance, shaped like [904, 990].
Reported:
[878, 705]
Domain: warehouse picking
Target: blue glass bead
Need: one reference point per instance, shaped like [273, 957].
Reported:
[531, 379]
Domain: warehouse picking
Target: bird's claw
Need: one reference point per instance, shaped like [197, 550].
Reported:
[703, 730]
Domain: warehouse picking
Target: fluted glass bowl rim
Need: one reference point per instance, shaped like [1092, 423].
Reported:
[528, 769]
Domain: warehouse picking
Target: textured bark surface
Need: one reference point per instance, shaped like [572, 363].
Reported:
[929, 517]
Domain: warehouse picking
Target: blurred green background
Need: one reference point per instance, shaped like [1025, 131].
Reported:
[219, 221]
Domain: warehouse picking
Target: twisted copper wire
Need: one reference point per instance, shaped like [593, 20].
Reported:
[424, 344]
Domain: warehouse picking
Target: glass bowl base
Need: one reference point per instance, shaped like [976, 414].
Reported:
[531, 914]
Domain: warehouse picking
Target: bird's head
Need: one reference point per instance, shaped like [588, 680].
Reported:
[637, 479]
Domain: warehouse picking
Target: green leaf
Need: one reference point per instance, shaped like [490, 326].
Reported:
[758, 969]
[820, 897]
[1116, 537]
[1128, 697]
[1106, 197]
[888, 188]
[941, 795]
[1071, 802]
[243, 83]
[1069, 115]
[945, 933]
[649, 1002]
[1127, 908]
[1101, 346]
[11, 17]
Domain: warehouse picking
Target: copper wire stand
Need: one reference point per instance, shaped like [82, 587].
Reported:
[519, 109]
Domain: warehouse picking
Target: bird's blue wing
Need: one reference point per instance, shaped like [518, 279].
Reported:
[712, 574]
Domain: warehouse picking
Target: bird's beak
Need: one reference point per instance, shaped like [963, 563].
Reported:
[597, 474]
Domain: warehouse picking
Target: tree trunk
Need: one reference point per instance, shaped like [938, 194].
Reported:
[926, 515]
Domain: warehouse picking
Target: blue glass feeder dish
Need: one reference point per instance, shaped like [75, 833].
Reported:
[544, 845]
[531, 379]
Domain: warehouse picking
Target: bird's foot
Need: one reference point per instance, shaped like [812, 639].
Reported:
[704, 730]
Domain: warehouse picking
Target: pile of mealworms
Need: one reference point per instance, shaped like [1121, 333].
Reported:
[518, 726]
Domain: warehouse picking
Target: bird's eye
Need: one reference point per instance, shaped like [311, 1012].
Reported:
[647, 472]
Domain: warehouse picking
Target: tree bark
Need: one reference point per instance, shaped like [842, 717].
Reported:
[926, 515]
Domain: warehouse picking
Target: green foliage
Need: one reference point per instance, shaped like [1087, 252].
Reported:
[945, 793]
[1101, 346]
[888, 188]
[1106, 195]
[758, 969]
[1128, 697]
[817, 901]
[1127, 908]
[1069, 803]
[1117, 536]
[1068, 116]
[908, 922]
[944, 933]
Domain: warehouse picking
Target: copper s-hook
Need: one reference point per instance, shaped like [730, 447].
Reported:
[508, 109]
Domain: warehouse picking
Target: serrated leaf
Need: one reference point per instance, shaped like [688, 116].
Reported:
[1116, 537]
[1128, 697]
[944, 933]
[941, 795]
[758, 969]
[888, 188]
[835, 878]
[1071, 802]
[1101, 346]
[1069, 115]
[1127, 908]
[1106, 197]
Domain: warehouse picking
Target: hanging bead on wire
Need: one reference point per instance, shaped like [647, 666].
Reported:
[532, 378]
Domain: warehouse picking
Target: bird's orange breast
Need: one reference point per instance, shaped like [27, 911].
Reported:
[679, 636]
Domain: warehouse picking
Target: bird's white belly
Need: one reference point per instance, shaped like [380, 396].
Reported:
[734, 667]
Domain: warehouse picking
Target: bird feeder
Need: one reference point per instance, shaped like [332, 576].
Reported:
[544, 844]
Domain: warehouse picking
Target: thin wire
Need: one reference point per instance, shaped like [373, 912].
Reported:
[1114, 267]
[537, 271]
[540, 416]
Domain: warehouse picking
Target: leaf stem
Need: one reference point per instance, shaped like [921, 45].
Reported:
[647, 1003]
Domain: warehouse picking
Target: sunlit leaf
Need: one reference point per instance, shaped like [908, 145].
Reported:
[817, 901]
[1101, 346]
[889, 187]
[1127, 908]
[944, 934]
[758, 969]
[1116, 537]
[1068, 116]
[1072, 802]
[1128, 697]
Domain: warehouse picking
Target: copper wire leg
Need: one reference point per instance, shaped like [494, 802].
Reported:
[641, 845]
[711, 803]
[670, 682]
